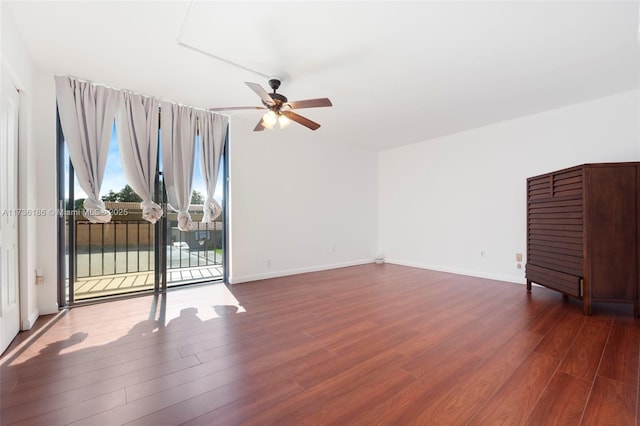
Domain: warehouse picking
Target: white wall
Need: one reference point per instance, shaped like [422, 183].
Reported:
[299, 203]
[443, 202]
[44, 160]
[18, 65]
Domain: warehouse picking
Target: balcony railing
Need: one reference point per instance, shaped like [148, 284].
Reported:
[122, 247]
[126, 244]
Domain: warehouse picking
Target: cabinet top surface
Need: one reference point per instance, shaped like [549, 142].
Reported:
[588, 165]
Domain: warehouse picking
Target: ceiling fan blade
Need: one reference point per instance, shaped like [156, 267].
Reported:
[259, 127]
[260, 92]
[301, 120]
[235, 108]
[310, 103]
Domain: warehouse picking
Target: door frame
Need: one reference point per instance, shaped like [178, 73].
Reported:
[11, 315]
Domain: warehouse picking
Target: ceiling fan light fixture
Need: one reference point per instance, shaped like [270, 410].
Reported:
[283, 121]
[269, 120]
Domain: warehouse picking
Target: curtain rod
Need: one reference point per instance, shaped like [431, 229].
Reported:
[142, 94]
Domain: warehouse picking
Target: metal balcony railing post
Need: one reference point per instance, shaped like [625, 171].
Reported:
[138, 245]
[115, 255]
[90, 246]
[126, 246]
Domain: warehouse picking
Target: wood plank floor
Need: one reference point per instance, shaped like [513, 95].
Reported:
[371, 344]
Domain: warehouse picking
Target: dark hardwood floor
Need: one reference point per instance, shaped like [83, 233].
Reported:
[372, 344]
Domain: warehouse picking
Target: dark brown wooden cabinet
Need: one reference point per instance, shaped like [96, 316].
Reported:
[583, 232]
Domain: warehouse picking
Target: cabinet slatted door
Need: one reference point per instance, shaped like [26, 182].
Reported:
[582, 232]
[555, 221]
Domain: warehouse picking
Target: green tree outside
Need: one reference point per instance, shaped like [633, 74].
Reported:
[126, 194]
[197, 197]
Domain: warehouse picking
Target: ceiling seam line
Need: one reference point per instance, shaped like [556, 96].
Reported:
[211, 55]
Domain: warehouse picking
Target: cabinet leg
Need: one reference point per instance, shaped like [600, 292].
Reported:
[636, 309]
[528, 286]
[586, 307]
[565, 298]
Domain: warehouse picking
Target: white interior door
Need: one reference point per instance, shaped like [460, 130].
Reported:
[9, 213]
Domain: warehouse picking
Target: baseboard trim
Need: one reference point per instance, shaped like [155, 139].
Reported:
[28, 323]
[478, 274]
[283, 273]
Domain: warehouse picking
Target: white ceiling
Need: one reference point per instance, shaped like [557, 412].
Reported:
[397, 72]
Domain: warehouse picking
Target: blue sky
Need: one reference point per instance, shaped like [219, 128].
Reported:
[114, 176]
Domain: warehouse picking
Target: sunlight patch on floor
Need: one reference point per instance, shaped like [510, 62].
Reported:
[146, 315]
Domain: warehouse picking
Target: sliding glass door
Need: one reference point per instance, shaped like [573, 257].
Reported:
[130, 255]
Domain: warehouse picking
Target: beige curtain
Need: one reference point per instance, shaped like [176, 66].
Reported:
[137, 125]
[87, 111]
[178, 136]
[213, 135]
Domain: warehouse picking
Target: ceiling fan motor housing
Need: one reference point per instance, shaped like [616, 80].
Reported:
[274, 83]
[278, 98]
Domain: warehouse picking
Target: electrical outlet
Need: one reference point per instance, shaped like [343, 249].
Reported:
[518, 257]
[267, 263]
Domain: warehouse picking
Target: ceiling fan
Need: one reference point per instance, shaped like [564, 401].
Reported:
[280, 108]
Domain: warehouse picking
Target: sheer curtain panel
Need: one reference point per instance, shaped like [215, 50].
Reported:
[86, 114]
[213, 134]
[178, 136]
[137, 125]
